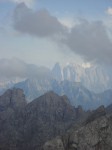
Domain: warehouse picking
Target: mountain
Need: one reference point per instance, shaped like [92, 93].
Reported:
[86, 86]
[29, 126]
[94, 134]
[79, 95]
[12, 99]
[12, 103]
[35, 87]
[51, 122]
[8, 83]
[76, 92]
[94, 78]
[57, 72]
[49, 115]
[14, 70]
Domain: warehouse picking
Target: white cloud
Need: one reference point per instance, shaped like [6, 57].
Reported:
[27, 2]
[68, 21]
[109, 11]
[86, 65]
[90, 40]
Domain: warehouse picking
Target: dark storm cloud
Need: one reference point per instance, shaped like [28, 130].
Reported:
[91, 41]
[39, 23]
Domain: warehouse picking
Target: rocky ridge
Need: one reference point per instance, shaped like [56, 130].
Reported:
[29, 126]
[94, 134]
[76, 92]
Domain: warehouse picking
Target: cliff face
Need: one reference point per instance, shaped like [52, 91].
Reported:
[95, 78]
[29, 126]
[12, 103]
[94, 134]
[45, 118]
[12, 98]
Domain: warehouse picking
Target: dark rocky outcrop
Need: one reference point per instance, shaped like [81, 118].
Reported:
[94, 134]
[100, 111]
[52, 118]
[12, 103]
[29, 126]
[46, 117]
[12, 98]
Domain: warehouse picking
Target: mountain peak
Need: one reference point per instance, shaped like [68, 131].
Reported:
[52, 93]
[53, 105]
[100, 111]
[55, 97]
[51, 97]
[57, 72]
[13, 98]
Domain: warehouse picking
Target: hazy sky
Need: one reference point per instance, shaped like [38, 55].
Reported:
[47, 31]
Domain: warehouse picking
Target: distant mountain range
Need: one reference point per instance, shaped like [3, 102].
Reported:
[89, 87]
[94, 78]
[76, 92]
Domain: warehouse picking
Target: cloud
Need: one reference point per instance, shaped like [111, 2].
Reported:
[12, 68]
[39, 23]
[27, 2]
[109, 11]
[91, 41]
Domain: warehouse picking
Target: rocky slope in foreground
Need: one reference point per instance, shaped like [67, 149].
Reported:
[28, 126]
[94, 134]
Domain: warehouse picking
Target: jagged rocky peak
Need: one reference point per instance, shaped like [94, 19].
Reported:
[95, 78]
[53, 105]
[57, 72]
[47, 116]
[51, 97]
[109, 109]
[41, 120]
[100, 111]
[65, 98]
[13, 97]
[79, 110]
[95, 135]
